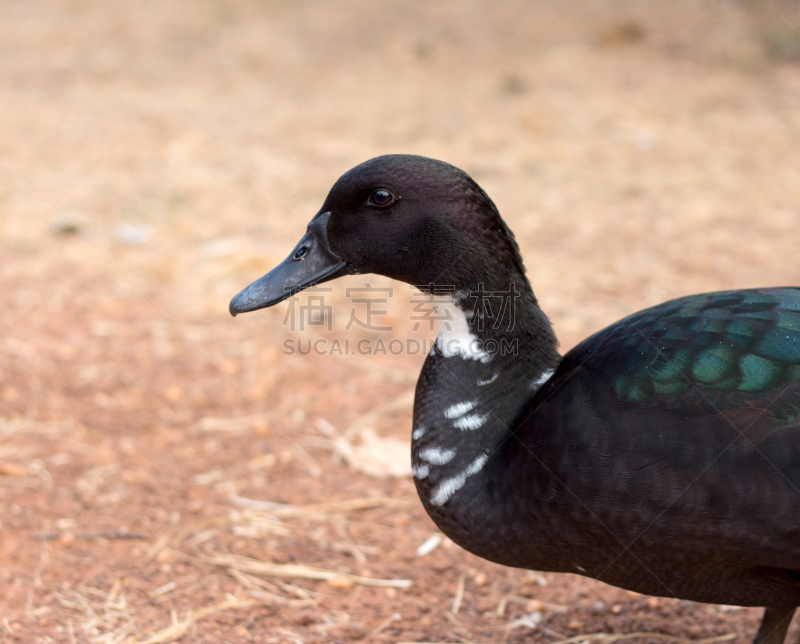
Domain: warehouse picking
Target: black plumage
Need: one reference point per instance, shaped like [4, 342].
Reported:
[661, 455]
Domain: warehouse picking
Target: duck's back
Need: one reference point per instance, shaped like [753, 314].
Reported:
[664, 454]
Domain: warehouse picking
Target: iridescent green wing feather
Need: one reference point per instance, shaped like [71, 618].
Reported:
[727, 350]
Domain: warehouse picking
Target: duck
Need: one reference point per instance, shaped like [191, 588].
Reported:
[660, 455]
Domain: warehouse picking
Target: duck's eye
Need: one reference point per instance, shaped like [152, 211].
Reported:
[301, 252]
[380, 198]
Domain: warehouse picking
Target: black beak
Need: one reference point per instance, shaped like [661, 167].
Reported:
[311, 262]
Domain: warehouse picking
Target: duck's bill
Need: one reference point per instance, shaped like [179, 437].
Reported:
[311, 262]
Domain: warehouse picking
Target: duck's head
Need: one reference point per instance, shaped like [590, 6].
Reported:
[410, 218]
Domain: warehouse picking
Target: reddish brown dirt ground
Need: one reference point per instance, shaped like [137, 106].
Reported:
[157, 158]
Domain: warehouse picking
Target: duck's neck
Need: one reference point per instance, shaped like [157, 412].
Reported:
[490, 358]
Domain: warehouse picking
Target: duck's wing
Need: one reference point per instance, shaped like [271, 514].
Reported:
[732, 353]
[690, 411]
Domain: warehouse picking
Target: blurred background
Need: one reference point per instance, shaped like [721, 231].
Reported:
[166, 472]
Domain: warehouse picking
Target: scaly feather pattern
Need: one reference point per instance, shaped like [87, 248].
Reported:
[726, 350]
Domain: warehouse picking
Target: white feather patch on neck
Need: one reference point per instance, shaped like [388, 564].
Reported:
[537, 384]
[450, 486]
[455, 337]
